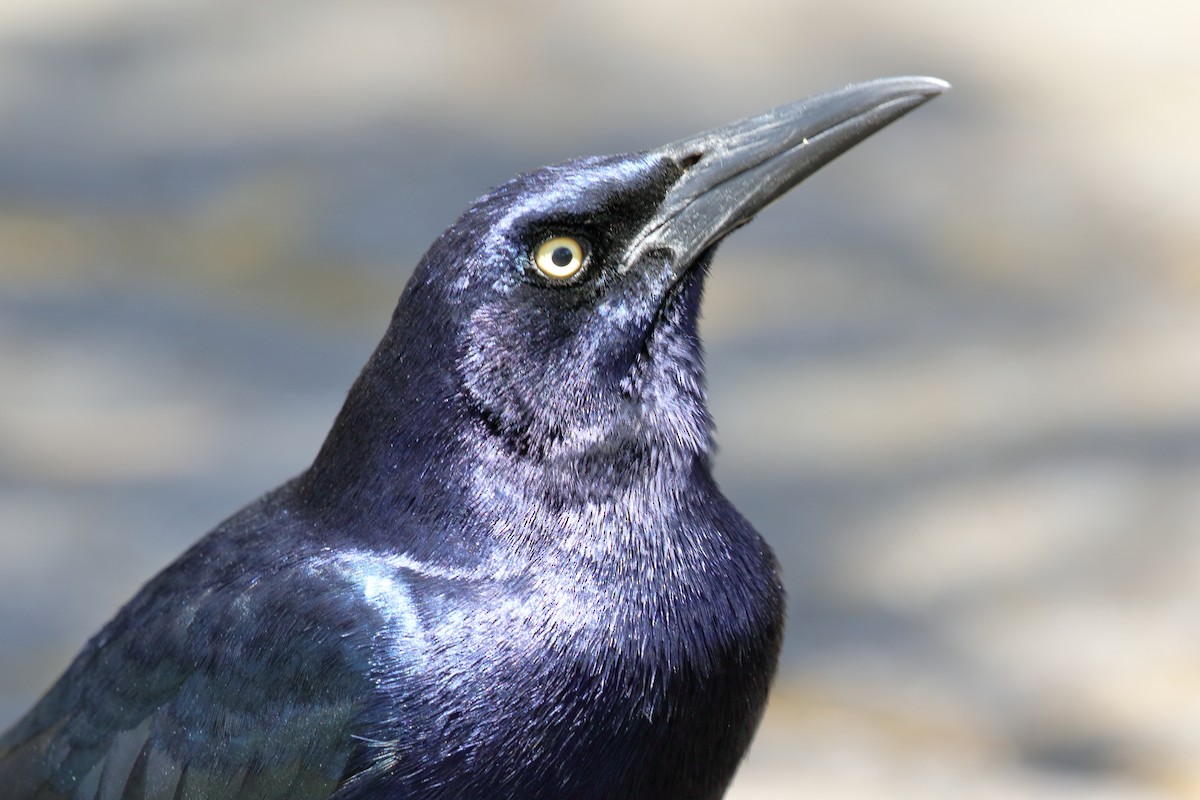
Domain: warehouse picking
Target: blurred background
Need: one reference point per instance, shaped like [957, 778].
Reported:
[956, 374]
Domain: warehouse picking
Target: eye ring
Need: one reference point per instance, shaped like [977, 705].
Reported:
[559, 257]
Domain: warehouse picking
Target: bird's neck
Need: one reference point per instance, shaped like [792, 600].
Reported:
[401, 462]
[410, 441]
[382, 454]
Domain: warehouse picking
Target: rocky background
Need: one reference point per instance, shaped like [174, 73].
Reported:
[956, 375]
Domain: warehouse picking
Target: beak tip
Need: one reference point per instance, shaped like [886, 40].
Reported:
[923, 86]
[936, 85]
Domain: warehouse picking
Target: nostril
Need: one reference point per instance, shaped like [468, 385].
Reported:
[690, 160]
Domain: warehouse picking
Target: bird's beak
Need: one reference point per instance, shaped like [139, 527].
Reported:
[731, 172]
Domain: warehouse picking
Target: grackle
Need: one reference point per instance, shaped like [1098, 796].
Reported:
[509, 572]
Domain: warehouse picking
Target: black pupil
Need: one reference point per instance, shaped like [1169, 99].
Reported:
[562, 256]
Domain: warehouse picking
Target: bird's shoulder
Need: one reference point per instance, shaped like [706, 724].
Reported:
[241, 670]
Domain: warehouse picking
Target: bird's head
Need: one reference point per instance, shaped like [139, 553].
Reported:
[567, 338]
[558, 314]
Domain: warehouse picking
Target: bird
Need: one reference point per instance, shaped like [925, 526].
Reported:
[509, 571]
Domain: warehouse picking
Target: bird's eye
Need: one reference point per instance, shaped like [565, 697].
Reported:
[559, 258]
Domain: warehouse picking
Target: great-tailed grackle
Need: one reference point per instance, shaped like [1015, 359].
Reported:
[509, 572]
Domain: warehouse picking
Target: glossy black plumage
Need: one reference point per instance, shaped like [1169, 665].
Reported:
[508, 573]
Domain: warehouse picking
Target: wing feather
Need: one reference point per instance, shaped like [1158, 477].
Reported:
[233, 692]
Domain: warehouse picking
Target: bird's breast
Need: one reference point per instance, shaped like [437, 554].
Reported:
[611, 665]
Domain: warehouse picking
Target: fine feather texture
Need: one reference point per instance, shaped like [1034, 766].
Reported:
[509, 572]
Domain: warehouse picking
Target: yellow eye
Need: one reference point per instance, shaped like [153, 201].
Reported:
[560, 257]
